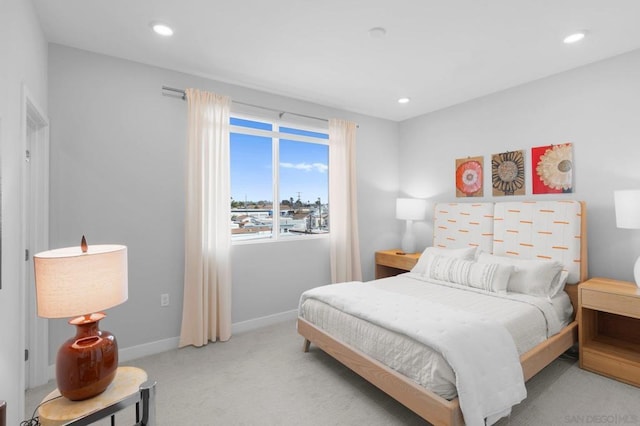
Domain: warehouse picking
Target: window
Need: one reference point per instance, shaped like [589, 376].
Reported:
[270, 161]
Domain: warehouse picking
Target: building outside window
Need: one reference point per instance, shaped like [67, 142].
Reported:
[273, 161]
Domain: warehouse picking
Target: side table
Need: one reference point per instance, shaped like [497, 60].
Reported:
[609, 329]
[391, 262]
[130, 386]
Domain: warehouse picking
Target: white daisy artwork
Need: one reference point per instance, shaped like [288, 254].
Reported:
[552, 169]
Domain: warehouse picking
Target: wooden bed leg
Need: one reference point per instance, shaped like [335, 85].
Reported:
[306, 345]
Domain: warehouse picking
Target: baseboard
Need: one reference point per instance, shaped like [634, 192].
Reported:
[146, 349]
[253, 324]
[152, 348]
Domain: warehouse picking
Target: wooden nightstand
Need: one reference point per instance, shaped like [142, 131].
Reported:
[609, 328]
[390, 263]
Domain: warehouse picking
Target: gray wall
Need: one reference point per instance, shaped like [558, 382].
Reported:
[117, 176]
[597, 107]
[23, 61]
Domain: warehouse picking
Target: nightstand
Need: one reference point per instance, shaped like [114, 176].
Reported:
[390, 263]
[609, 329]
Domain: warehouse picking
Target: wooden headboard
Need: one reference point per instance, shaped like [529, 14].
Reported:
[554, 230]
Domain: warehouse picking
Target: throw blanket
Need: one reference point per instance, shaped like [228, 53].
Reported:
[480, 351]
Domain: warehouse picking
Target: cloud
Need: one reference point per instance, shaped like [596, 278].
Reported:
[318, 167]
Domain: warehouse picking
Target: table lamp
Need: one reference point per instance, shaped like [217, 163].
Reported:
[81, 282]
[410, 209]
[627, 204]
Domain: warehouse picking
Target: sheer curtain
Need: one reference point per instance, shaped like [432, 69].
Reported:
[206, 310]
[343, 202]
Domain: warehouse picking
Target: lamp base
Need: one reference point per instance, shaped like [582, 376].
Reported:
[408, 243]
[636, 271]
[87, 363]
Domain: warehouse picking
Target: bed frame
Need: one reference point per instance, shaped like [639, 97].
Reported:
[425, 403]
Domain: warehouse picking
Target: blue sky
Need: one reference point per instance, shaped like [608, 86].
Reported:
[303, 166]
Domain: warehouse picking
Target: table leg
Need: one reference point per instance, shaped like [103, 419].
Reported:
[148, 398]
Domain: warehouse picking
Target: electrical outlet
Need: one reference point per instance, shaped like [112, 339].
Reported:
[164, 299]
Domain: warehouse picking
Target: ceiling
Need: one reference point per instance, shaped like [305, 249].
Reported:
[436, 52]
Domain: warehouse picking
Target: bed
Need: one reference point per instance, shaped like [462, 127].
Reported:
[407, 363]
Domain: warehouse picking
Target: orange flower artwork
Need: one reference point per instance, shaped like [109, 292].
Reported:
[469, 177]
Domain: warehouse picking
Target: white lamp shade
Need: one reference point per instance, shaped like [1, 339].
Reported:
[411, 208]
[71, 283]
[627, 204]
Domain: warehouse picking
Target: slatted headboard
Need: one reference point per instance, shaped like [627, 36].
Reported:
[458, 225]
[541, 230]
[553, 230]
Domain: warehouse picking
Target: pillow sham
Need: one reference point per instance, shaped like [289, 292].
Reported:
[530, 276]
[485, 276]
[467, 253]
[558, 283]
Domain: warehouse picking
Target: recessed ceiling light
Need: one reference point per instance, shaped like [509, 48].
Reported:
[377, 32]
[575, 37]
[162, 29]
[404, 100]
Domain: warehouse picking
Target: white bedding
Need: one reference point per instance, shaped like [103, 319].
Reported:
[529, 321]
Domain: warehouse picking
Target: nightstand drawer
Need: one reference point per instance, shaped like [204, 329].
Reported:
[611, 302]
[406, 262]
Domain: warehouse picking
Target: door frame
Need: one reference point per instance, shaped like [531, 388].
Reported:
[35, 231]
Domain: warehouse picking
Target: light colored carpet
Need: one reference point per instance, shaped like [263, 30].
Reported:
[262, 377]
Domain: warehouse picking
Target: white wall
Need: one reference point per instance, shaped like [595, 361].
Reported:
[23, 56]
[117, 175]
[597, 107]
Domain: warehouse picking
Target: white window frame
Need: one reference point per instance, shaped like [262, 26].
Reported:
[275, 177]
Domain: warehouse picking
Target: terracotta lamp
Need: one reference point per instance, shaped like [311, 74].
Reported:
[81, 282]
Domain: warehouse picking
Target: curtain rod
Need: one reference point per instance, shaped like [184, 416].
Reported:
[183, 95]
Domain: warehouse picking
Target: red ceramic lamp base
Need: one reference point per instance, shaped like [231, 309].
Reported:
[86, 363]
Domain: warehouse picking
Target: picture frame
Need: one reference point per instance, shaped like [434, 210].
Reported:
[469, 177]
[552, 169]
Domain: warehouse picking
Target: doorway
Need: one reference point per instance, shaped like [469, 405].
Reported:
[35, 233]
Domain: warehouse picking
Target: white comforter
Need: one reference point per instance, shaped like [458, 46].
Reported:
[481, 351]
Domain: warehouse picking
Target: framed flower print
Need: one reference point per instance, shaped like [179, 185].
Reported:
[469, 177]
[507, 173]
[552, 169]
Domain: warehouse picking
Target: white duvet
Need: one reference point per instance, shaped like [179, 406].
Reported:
[479, 349]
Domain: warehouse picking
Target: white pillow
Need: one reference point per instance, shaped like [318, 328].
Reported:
[558, 283]
[530, 276]
[485, 276]
[467, 253]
